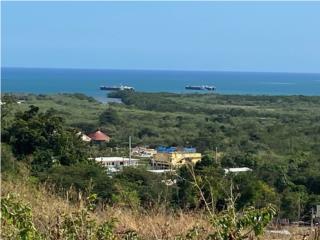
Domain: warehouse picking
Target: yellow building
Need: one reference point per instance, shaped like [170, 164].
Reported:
[175, 159]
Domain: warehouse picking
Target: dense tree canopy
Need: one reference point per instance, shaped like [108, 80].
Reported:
[278, 137]
[45, 136]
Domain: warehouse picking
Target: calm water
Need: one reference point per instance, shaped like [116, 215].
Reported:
[88, 81]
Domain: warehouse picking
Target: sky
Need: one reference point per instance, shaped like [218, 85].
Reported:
[217, 36]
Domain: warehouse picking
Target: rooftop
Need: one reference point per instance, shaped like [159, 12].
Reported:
[115, 159]
[99, 136]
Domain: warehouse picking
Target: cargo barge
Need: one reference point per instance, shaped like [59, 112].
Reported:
[201, 88]
[116, 88]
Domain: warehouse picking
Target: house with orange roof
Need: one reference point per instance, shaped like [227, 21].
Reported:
[99, 136]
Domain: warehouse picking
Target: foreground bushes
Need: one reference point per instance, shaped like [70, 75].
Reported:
[17, 222]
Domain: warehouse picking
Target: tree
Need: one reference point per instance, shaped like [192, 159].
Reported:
[252, 191]
[44, 136]
[147, 186]
[109, 116]
[210, 180]
[85, 177]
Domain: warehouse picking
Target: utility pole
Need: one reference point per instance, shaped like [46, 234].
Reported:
[312, 216]
[216, 155]
[129, 150]
[299, 207]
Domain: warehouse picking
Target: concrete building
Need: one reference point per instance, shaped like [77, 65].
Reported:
[143, 152]
[116, 163]
[237, 170]
[175, 159]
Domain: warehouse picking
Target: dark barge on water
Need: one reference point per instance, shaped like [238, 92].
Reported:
[116, 88]
[202, 87]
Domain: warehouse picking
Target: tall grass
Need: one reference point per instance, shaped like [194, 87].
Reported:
[47, 207]
[160, 223]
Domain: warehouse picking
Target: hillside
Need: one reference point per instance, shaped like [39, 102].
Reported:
[278, 137]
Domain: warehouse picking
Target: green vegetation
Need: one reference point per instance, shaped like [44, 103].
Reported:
[17, 223]
[277, 136]
[16, 220]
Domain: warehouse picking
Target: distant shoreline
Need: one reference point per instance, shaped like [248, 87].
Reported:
[118, 100]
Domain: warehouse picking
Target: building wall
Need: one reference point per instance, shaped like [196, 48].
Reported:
[141, 151]
[120, 163]
[176, 159]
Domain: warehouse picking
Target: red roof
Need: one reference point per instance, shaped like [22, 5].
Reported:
[99, 136]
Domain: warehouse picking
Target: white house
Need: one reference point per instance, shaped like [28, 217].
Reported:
[237, 170]
[84, 137]
[114, 163]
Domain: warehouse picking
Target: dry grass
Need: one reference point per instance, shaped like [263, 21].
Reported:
[153, 224]
[44, 204]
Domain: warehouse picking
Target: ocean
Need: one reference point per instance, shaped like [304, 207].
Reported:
[49, 81]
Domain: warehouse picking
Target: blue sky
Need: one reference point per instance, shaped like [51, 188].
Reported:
[223, 36]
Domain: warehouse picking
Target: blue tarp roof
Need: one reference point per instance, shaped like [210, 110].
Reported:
[163, 149]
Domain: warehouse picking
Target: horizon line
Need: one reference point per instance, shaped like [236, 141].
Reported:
[155, 69]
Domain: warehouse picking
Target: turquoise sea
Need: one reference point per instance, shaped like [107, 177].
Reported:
[27, 80]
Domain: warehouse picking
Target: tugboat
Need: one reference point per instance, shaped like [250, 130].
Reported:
[116, 88]
[202, 87]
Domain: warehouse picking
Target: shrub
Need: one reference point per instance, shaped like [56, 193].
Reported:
[16, 220]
